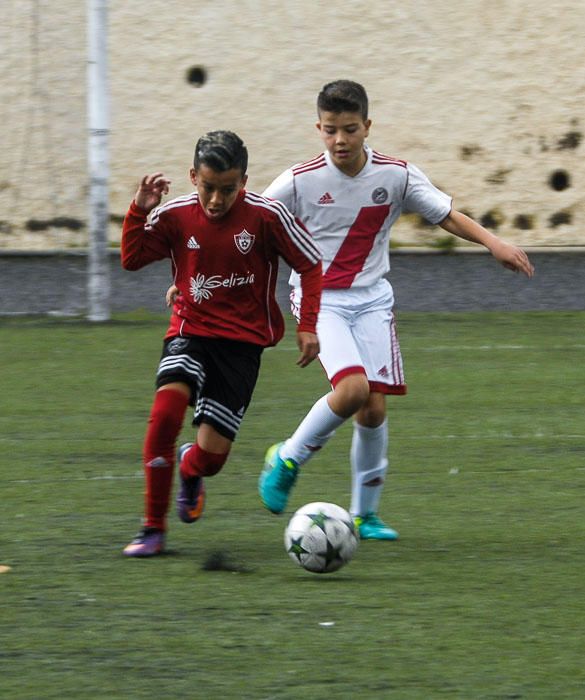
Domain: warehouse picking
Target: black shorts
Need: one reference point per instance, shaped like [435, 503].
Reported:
[222, 375]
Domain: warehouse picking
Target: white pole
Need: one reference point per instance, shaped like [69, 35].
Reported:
[98, 161]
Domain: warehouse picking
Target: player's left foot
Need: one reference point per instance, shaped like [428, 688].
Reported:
[371, 527]
[191, 494]
[277, 479]
[149, 542]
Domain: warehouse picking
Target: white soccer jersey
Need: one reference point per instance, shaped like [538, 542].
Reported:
[350, 217]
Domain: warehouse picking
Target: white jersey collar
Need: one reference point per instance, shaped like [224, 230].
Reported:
[333, 167]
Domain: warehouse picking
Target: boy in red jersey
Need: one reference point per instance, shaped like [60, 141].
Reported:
[349, 197]
[224, 244]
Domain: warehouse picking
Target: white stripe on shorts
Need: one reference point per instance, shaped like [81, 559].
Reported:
[212, 409]
[185, 364]
[397, 367]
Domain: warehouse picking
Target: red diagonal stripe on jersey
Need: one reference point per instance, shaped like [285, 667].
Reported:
[356, 247]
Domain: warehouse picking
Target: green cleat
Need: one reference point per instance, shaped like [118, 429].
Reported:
[277, 479]
[370, 527]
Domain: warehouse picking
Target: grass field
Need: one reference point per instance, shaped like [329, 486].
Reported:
[482, 597]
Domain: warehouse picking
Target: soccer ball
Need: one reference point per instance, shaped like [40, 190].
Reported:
[321, 537]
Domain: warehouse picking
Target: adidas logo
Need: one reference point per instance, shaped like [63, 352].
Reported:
[192, 243]
[159, 462]
[383, 372]
[326, 199]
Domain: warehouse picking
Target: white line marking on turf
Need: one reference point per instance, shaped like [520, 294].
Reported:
[454, 471]
[494, 436]
[540, 348]
[451, 348]
[102, 477]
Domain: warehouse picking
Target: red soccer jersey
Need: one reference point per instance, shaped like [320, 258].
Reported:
[226, 269]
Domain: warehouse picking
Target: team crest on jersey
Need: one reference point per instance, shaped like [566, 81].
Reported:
[244, 241]
[177, 345]
[379, 195]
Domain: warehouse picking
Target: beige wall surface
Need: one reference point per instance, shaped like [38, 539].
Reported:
[486, 96]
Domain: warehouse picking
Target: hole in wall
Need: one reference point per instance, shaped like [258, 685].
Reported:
[469, 151]
[559, 218]
[492, 219]
[524, 222]
[559, 180]
[569, 141]
[196, 76]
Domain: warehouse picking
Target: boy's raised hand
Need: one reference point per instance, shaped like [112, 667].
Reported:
[151, 189]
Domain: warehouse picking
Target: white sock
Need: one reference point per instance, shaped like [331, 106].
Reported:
[315, 429]
[368, 467]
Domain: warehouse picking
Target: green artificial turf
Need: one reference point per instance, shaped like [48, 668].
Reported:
[482, 597]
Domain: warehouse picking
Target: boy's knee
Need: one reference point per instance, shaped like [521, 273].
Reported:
[371, 417]
[373, 413]
[200, 462]
[350, 394]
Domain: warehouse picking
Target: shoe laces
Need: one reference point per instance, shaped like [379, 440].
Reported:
[146, 532]
[287, 474]
[373, 519]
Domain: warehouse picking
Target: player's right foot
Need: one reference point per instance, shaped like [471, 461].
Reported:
[148, 543]
[277, 479]
[191, 495]
[371, 527]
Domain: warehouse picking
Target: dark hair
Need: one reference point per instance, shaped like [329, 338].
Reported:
[221, 151]
[343, 96]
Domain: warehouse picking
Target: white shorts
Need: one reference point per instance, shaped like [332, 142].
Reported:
[357, 334]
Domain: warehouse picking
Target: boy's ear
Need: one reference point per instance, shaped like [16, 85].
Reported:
[193, 175]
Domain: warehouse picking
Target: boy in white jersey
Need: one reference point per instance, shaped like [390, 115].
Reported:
[349, 197]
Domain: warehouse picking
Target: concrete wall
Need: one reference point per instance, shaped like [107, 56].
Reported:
[485, 95]
[55, 283]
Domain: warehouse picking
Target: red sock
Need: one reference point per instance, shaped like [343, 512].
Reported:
[164, 425]
[200, 462]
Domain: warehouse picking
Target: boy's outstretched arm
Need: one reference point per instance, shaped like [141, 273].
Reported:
[510, 256]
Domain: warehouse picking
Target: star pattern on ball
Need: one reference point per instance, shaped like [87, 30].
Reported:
[350, 525]
[296, 548]
[319, 519]
[320, 537]
[330, 555]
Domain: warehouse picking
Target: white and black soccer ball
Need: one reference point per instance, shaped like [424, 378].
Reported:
[321, 537]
